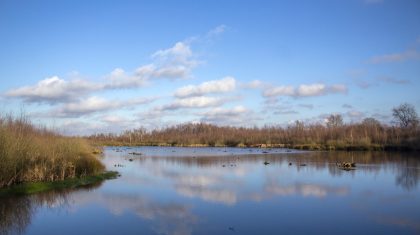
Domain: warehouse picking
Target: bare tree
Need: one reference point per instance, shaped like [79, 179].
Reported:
[371, 122]
[405, 115]
[334, 120]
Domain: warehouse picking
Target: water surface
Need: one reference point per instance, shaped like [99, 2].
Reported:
[230, 191]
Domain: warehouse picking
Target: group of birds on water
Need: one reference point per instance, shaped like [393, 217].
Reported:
[342, 165]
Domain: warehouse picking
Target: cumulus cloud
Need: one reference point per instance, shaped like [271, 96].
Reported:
[238, 115]
[279, 91]
[175, 62]
[95, 104]
[216, 86]
[89, 105]
[195, 102]
[53, 90]
[119, 79]
[311, 90]
[304, 90]
[220, 112]
[172, 63]
[255, 84]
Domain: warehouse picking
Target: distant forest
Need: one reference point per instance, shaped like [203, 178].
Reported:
[369, 134]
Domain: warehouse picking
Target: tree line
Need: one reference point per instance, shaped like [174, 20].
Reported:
[369, 134]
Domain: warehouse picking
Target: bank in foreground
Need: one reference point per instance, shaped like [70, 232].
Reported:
[30, 155]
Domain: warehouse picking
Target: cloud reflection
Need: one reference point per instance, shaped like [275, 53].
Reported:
[166, 217]
[306, 190]
[227, 197]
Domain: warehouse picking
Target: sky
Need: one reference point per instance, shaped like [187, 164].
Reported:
[84, 67]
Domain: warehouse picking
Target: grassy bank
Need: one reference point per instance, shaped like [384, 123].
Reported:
[36, 187]
[30, 154]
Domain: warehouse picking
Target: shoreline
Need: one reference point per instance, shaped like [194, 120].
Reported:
[42, 186]
[310, 147]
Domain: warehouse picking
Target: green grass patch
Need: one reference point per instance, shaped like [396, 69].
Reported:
[36, 187]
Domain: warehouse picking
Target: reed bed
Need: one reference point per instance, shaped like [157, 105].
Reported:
[34, 154]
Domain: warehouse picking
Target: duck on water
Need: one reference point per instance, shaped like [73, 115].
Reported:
[346, 165]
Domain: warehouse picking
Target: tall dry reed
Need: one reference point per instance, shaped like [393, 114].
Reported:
[30, 154]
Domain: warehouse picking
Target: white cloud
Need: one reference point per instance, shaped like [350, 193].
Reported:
[179, 53]
[175, 62]
[95, 104]
[216, 31]
[311, 90]
[114, 119]
[212, 195]
[172, 72]
[91, 104]
[304, 90]
[255, 84]
[338, 88]
[238, 115]
[279, 91]
[305, 190]
[216, 86]
[172, 63]
[195, 102]
[53, 90]
[237, 110]
[119, 79]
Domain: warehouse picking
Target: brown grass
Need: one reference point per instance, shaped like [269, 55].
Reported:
[31, 154]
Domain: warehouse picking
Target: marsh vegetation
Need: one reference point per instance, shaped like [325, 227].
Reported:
[34, 154]
[334, 134]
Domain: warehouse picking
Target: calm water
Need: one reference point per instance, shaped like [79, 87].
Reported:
[231, 191]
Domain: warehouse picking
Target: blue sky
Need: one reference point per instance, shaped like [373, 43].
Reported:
[84, 67]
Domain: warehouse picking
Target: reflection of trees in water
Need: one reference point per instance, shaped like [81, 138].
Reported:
[408, 176]
[16, 212]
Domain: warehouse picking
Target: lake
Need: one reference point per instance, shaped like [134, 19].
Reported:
[169, 190]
